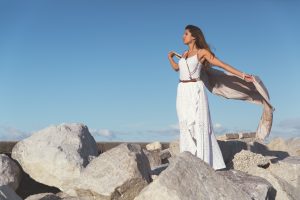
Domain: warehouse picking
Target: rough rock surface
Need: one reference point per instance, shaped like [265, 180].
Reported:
[7, 193]
[66, 157]
[56, 155]
[291, 145]
[10, 172]
[258, 188]
[246, 159]
[189, 178]
[288, 169]
[119, 173]
[283, 175]
[283, 189]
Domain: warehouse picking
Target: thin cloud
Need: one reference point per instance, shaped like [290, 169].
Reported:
[163, 134]
[103, 133]
[172, 129]
[291, 124]
[8, 133]
[219, 129]
[287, 128]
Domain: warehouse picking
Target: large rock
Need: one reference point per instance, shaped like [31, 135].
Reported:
[7, 193]
[258, 188]
[282, 175]
[56, 155]
[119, 173]
[10, 172]
[189, 178]
[283, 189]
[291, 145]
[288, 169]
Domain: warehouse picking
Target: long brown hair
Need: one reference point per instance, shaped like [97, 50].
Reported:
[200, 41]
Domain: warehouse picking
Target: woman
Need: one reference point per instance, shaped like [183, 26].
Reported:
[196, 131]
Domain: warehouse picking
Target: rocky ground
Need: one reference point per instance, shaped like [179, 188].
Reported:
[63, 162]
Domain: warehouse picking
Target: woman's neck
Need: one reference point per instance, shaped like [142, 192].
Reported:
[192, 47]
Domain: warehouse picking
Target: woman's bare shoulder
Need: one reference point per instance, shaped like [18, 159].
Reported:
[201, 51]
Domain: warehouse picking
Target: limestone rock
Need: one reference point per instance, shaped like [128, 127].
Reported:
[189, 178]
[246, 159]
[283, 189]
[291, 145]
[56, 155]
[10, 172]
[7, 193]
[288, 169]
[154, 146]
[119, 173]
[258, 188]
[282, 175]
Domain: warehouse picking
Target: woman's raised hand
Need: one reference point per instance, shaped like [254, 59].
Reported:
[249, 78]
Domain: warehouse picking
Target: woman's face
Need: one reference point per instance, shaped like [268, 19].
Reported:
[187, 37]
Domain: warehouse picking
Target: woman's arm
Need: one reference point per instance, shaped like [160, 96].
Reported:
[206, 55]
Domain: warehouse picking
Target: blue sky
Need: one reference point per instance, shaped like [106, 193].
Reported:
[104, 64]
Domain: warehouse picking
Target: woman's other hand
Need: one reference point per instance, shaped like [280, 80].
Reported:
[172, 62]
[171, 54]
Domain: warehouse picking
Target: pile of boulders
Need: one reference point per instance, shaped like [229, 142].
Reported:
[65, 157]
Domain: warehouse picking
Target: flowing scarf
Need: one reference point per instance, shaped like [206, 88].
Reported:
[230, 86]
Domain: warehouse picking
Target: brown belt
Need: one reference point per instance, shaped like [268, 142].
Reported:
[191, 80]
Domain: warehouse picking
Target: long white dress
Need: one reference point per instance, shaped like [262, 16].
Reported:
[196, 131]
